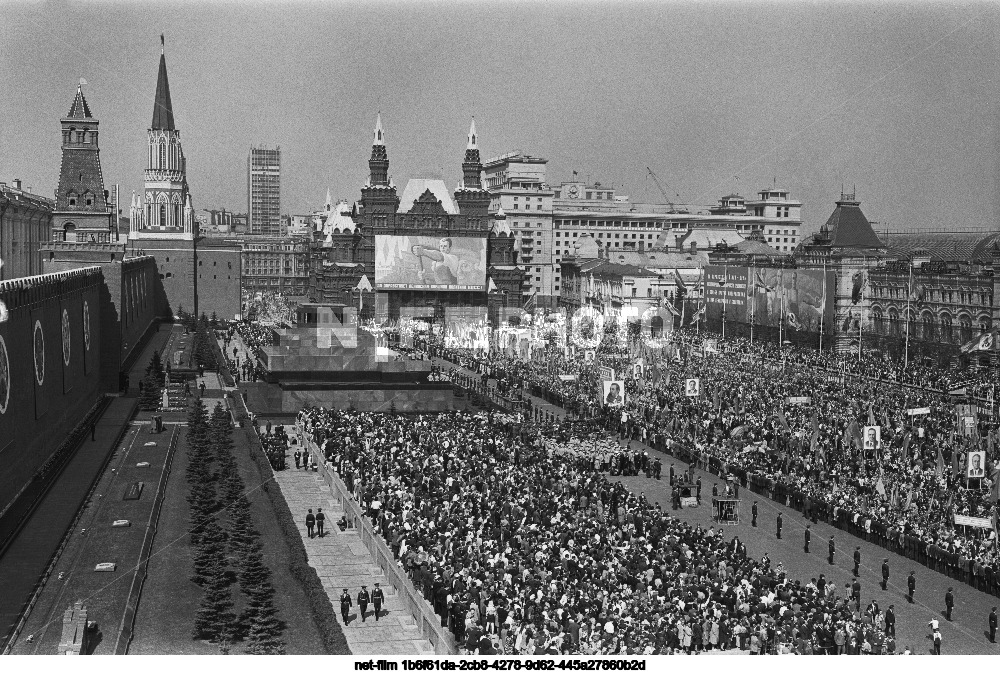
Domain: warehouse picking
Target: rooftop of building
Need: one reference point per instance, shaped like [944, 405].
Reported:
[513, 156]
[969, 247]
[16, 194]
[415, 187]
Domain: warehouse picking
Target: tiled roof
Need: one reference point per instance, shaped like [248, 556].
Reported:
[965, 247]
[849, 228]
[752, 247]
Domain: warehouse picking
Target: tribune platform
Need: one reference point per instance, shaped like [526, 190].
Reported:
[329, 360]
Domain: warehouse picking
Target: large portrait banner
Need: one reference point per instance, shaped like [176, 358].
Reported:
[430, 263]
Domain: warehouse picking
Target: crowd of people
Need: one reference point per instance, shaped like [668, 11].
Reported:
[791, 420]
[524, 547]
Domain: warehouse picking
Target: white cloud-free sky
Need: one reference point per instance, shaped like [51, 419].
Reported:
[898, 98]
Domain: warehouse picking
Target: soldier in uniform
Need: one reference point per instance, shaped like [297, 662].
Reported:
[310, 522]
[779, 526]
[377, 599]
[753, 513]
[857, 561]
[885, 573]
[363, 601]
[808, 537]
[345, 605]
[320, 520]
[949, 603]
[911, 585]
[832, 550]
[993, 625]
[890, 621]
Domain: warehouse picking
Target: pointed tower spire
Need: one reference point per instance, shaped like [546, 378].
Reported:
[378, 134]
[473, 138]
[79, 109]
[472, 199]
[378, 165]
[163, 112]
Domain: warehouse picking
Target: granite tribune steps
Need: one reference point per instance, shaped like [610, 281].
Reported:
[341, 560]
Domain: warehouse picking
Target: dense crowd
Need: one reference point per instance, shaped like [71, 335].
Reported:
[910, 487]
[523, 547]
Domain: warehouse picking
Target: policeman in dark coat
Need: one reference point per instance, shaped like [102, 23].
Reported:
[377, 599]
[363, 600]
[753, 513]
[856, 593]
[885, 573]
[657, 468]
[832, 550]
[857, 561]
[345, 605]
[890, 621]
[808, 537]
[949, 603]
[779, 526]
[911, 585]
[993, 625]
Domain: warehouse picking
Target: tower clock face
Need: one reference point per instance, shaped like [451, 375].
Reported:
[573, 191]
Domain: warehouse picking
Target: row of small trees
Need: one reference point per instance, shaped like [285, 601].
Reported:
[227, 549]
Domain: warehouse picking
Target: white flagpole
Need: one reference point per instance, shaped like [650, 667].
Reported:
[822, 309]
[909, 291]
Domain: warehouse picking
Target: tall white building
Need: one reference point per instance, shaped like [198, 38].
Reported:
[516, 183]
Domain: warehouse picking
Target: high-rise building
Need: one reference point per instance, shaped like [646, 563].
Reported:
[264, 191]
[516, 182]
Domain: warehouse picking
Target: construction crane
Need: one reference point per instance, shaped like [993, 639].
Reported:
[656, 180]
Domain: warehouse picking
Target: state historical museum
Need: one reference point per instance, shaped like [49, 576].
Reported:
[427, 254]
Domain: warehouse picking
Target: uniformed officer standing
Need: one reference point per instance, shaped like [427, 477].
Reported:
[753, 513]
[911, 585]
[363, 601]
[885, 573]
[377, 599]
[779, 526]
[808, 536]
[310, 522]
[949, 603]
[856, 593]
[993, 625]
[890, 621]
[857, 561]
[345, 605]
[832, 550]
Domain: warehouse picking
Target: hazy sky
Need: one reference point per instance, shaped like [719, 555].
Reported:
[899, 98]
